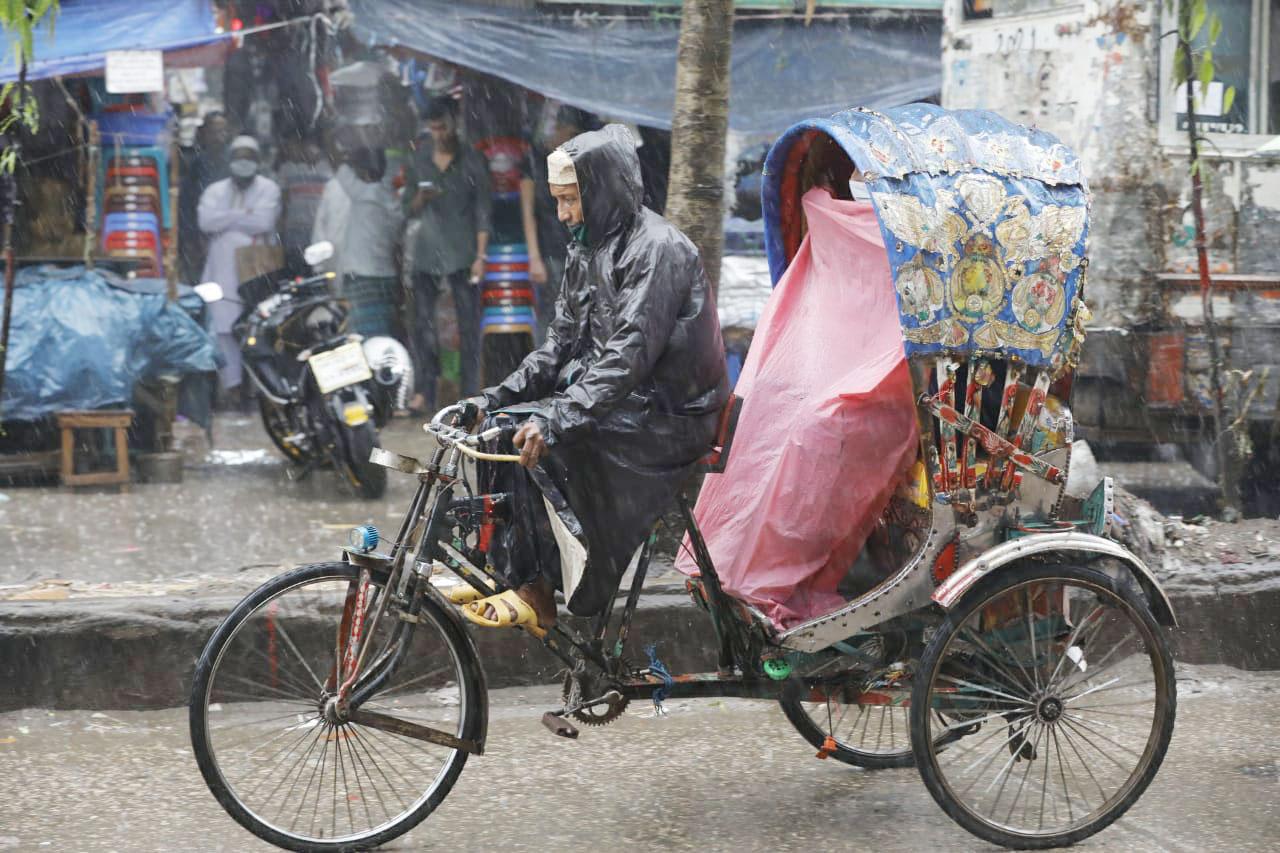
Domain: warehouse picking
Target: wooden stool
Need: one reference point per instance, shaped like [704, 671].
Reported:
[116, 419]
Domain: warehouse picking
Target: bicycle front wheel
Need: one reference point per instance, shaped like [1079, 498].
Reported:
[267, 740]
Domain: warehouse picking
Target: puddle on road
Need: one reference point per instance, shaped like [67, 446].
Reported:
[1269, 770]
[241, 457]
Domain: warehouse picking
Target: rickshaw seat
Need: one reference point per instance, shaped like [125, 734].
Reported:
[716, 461]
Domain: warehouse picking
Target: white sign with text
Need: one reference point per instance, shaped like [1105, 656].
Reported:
[133, 71]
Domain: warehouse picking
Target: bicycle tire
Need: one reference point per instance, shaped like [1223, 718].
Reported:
[1165, 697]
[474, 712]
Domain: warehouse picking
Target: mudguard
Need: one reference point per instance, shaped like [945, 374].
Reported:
[949, 593]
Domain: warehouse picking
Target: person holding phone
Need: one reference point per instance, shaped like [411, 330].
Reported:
[448, 201]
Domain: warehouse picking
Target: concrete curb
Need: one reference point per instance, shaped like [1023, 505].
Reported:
[139, 652]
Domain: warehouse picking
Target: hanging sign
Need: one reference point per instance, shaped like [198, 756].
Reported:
[133, 71]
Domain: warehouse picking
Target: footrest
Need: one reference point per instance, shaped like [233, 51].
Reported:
[559, 726]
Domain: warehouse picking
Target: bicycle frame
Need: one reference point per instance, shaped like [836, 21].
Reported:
[430, 530]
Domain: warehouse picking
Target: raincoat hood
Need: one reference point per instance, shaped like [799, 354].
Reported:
[608, 179]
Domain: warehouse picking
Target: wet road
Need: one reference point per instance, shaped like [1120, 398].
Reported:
[236, 512]
[727, 775]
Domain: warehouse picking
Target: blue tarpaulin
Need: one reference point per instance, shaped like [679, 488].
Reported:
[81, 339]
[86, 29]
[783, 71]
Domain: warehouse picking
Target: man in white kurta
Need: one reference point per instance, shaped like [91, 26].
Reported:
[235, 212]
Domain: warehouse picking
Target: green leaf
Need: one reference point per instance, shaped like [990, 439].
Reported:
[1206, 69]
[1179, 68]
[1228, 99]
[1215, 30]
[1198, 12]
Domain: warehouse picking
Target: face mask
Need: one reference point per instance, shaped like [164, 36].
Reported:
[243, 169]
[579, 233]
[859, 190]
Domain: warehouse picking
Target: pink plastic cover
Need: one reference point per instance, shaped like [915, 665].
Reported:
[828, 425]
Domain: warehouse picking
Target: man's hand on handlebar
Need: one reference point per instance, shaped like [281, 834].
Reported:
[531, 444]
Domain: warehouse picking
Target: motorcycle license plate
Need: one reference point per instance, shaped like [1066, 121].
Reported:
[340, 367]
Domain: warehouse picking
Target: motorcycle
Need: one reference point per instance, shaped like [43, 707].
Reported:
[323, 392]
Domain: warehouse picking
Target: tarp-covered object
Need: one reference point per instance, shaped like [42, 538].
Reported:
[86, 29]
[81, 339]
[985, 221]
[828, 427]
[782, 71]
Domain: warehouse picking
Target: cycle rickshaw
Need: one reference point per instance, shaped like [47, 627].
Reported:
[1012, 650]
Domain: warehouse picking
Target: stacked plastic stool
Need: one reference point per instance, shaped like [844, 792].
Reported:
[133, 188]
[508, 325]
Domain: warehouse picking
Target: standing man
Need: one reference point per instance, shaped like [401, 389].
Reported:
[202, 164]
[368, 245]
[303, 171]
[235, 212]
[447, 193]
[545, 234]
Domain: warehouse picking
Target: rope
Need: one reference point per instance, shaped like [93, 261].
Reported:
[656, 667]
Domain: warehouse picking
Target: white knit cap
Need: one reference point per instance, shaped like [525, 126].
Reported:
[560, 171]
[244, 141]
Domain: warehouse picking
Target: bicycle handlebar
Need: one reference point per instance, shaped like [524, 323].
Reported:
[464, 442]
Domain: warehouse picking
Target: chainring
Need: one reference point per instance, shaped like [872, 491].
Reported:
[599, 715]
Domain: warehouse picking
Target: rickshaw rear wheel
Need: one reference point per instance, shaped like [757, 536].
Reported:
[1069, 678]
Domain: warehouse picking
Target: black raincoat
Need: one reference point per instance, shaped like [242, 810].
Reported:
[630, 381]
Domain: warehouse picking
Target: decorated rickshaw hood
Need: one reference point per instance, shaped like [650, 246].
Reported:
[985, 223]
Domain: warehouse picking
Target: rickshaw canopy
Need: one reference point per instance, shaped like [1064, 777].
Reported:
[985, 223]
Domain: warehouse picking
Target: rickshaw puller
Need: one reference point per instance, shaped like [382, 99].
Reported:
[619, 403]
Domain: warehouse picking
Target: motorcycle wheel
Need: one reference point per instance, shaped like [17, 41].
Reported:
[368, 478]
[276, 423]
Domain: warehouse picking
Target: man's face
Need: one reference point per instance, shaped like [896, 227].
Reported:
[568, 203]
[441, 130]
[217, 132]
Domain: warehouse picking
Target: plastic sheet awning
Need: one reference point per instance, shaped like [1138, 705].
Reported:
[782, 70]
[86, 29]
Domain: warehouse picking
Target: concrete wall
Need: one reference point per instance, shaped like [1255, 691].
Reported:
[1090, 74]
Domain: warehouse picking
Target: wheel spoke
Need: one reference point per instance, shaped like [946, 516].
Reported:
[962, 683]
[1071, 642]
[1027, 683]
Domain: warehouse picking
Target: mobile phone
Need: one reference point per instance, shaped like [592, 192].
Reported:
[426, 185]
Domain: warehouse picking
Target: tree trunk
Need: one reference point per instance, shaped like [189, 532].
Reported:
[695, 203]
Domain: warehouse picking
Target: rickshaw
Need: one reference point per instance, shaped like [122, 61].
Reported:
[1012, 650]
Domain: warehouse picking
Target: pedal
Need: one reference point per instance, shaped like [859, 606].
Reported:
[559, 726]
[613, 697]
